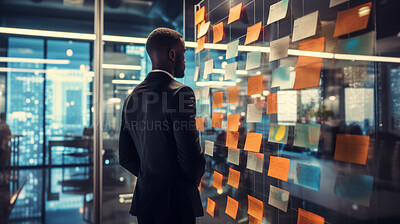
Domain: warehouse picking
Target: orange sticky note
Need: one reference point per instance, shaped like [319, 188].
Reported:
[306, 217]
[253, 220]
[232, 139]
[218, 32]
[210, 207]
[217, 182]
[218, 99]
[233, 122]
[279, 167]
[200, 15]
[200, 44]
[233, 94]
[272, 103]
[216, 120]
[253, 33]
[234, 178]
[317, 45]
[256, 208]
[200, 123]
[351, 20]
[352, 148]
[235, 12]
[255, 85]
[307, 76]
[253, 142]
[231, 207]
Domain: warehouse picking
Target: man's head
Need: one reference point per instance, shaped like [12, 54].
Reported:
[166, 49]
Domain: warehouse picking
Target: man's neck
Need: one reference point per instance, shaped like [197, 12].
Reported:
[170, 71]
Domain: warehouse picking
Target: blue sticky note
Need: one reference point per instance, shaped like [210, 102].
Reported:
[308, 176]
[357, 188]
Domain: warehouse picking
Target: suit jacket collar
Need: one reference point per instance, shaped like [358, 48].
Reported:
[158, 73]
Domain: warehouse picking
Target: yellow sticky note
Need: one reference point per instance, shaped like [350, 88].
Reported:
[200, 15]
[235, 12]
[253, 142]
[232, 138]
[255, 207]
[352, 148]
[253, 33]
[218, 32]
[233, 94]
[218, 99]
[255, 85]
[231, 207]
[210, 207]
[306, 217]
[279, 167]
[216, 121]
[200, 123]
[217, 182]
[351, 20]
[233, 178]
[233, 122]
[200, 44]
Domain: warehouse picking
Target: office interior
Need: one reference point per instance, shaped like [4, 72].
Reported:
[300, 120]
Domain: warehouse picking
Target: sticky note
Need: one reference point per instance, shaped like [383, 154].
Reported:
[208, 68]
[232, 49]
[306, 135]
[357, 188]
[279, 167]
[196, 73]
[218, 98]
[217, 181]
[254, 113]
[308, 176]
[200, 44]
[216, 121]
[253, 220]
[233, 94]
[255, 161]
[200, 123]
[279, 48]
[336, 2]
[232, 138]
[203, 109]
[287, 107]
[253, 33]
[317, 45]
[283, 77]
[233, 122]
[352, 148]
[209, 148]
[234, 13]
[200, 15]
[255, 85]
[210, 207]
[255, 207]
[202, 92]
[305, 26]
[278, 198]
[203, 29]
[307, 76]
[230, 71]
[253, 60]
[218, 32]
[362, 44]
[233, 178]
[306, 217]
[272, 103]
[352, 20]
[199, 26]
[234, 156]
[231, 207]
[277, 11]
[278, 133]
[253, 142]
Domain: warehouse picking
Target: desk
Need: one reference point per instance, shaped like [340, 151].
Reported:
[85, 143]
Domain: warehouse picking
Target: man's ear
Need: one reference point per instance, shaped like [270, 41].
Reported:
[171, 54]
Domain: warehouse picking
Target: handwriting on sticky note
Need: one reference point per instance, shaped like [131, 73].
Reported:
[272, 103]
[200, 44]
[351, 20]
[255, 161]
[254, 113]
[279, 48]
[218, 99]
[233, 178]
[253, 142]
[234, 13]
[352, 148]
[277, 11]
[231, 207]
[253, 60]
[210, 207]
[234, 156]
[307, 76]
[305, 26]
[209, 148]
[200, 15]
[200, 123]
[233, 122]
[255, 85]
[233, 94]
[256, 207]
[253, 33]
[217, 182]
[232, 138]
[232, 49]
[216, 120]
[306, 217]
[279, 167]
[278, 198]
[218, 32]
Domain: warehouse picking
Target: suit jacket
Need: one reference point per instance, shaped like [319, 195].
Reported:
[160, 145]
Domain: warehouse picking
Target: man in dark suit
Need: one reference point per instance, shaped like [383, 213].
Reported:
[159, 142]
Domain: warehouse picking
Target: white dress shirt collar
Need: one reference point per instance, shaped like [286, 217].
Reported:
[160, 70]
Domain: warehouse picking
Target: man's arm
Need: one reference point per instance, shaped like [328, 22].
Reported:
[128, 156]
[190, 155]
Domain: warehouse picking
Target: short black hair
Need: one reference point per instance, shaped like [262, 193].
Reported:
[161, 39]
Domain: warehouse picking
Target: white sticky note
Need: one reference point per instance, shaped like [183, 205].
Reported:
[203, 29]
[205, 92]
[336, 2]
[230, 71]
[279, 48]
[255, 161]
[197, 93]
[208, 68]
[277, 11]
[305, 26]
[209, 145]
[224, 124]
[278, 198]
[287, 107]
[253, 60]
[232, 49]
[254, 113]
[234, 156]
[196, 74]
